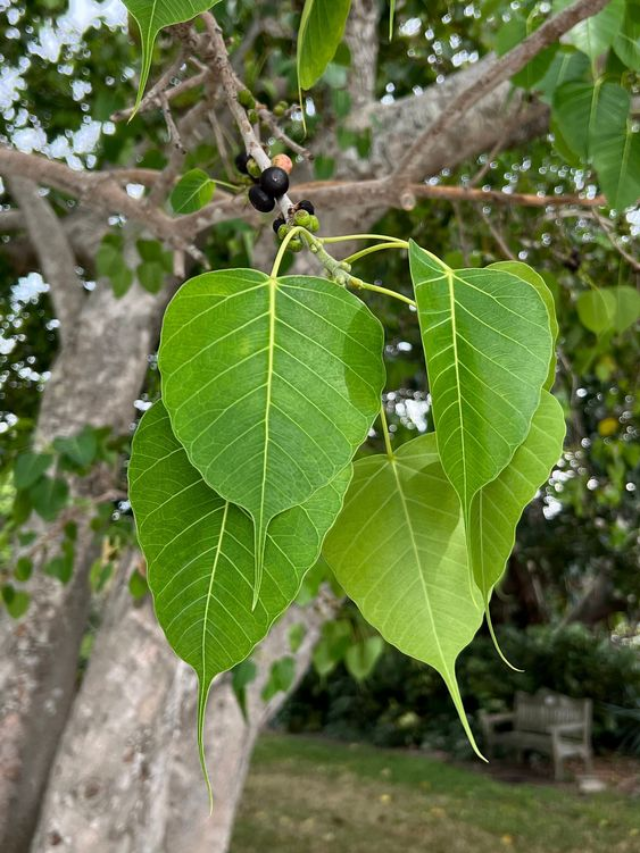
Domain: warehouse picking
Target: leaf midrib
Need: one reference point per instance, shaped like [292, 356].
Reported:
[416, 554]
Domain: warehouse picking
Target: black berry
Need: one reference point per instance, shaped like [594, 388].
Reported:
[261, 200]
[241, 163]
[278, 224]
[274, 181]
[307, 205]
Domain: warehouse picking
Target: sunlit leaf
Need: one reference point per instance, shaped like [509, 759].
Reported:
[271, 385]
[151, 16]
[361, 658]
[192, 192]
[200, 557]
[321, 31]
[627, 311]
[489, 347]
[398, 548]
[597, 310]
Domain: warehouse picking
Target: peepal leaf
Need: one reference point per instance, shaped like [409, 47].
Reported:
[597, 309]
[192, 192]
[321, 31]
[199, 551]
[271, 385]
[597, 33]
[583, 112]
[488, 343]
[398, 548]
[151, 16]
[497, 508]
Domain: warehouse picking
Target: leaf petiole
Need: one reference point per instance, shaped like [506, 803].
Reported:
[385, 432]
[371, 249]
[364, 285]
[349, 237]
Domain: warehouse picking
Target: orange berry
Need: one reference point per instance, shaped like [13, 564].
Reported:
[284, 162]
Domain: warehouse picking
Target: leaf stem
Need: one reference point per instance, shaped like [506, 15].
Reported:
[283, 248]
[364, 285]
[385, 432]
[347, 238]
[371, 249]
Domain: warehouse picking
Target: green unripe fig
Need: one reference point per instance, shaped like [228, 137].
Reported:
[283, 230]
[253, 169]
[280, 109]
[301, 217]
[253, 116]
[246, 99]
[296, 246]
[314, 224]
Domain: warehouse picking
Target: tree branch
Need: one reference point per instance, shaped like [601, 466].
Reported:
[56, 258]
[97, 190]
[412, 165]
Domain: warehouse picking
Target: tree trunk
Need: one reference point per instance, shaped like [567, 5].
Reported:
[95, 380]
[127, 776]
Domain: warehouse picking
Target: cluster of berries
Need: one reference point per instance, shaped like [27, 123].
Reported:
[304, 214]
[269, 185]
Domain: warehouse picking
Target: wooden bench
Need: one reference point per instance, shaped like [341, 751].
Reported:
[545, 722]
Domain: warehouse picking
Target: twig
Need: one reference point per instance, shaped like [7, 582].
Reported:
[503, 68]
[497, 236]
[606, 227]
[231, 87]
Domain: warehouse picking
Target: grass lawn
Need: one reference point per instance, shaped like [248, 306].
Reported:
[313, 796]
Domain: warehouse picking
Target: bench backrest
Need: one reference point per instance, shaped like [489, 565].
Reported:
[536, 713]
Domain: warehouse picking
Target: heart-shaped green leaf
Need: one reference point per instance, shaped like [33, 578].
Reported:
[321, 31]
[199, 551]
[597, 310]
[192, 192]
[489, 346]
[398, 548]
[361, 658]
[271, 385]
[151, 16]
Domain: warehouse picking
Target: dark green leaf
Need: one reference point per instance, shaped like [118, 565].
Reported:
[29, 467]
[321, 31]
